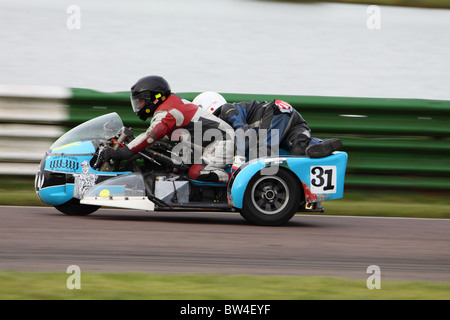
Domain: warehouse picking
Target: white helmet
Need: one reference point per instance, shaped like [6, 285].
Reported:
[209, 100]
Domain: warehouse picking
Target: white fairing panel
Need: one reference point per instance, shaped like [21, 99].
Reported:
[127, 191]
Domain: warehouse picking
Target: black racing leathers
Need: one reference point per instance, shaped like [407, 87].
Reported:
[283, 126]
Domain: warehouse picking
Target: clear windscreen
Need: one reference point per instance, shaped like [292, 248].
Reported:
[101, 128]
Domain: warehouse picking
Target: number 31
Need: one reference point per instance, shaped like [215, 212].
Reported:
[323, 178]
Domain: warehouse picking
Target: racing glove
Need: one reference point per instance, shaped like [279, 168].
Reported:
[117, 154]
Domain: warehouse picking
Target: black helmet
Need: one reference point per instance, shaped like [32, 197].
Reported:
[148, 94]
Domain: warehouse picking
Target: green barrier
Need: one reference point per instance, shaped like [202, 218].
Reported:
[403, 143]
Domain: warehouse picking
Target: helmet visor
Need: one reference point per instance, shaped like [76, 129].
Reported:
[137, 104]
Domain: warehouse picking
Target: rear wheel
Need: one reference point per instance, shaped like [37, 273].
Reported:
[271, 199]
[73, 207]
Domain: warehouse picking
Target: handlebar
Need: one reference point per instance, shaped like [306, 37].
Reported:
[150, 153]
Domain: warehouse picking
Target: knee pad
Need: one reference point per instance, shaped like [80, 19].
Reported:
[194, 171]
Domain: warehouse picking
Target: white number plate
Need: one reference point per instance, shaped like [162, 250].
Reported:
[323, 179]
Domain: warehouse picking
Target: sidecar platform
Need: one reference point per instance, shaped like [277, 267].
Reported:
[125, 191]
[138, 203]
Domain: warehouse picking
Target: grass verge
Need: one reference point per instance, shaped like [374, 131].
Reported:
[137, 286]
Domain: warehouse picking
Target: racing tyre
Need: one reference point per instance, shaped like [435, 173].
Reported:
[271, 200]
[73, 207]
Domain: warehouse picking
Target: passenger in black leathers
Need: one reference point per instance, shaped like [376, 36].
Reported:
[284, 126]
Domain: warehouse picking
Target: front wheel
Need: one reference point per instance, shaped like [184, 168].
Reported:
[73, 207]
[271, 199]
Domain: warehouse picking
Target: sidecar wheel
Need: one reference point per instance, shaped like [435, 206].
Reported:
[271, 200]
[73, 207]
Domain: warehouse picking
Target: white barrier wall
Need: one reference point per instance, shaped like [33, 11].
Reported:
[30, 121]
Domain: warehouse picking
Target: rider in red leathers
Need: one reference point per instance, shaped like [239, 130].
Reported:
[151, 96]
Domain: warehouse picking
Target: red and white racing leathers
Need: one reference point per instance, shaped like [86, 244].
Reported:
[199, 129]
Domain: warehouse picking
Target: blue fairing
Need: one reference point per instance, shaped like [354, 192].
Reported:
[56, 195]
[67, 161]
[322, 178]
[68, 158]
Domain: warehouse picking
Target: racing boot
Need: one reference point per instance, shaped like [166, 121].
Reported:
[323, 148]
[218, 175]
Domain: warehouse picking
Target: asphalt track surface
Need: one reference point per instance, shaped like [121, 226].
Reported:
[42, 239]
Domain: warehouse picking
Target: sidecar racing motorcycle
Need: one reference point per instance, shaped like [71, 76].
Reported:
[74, 178]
